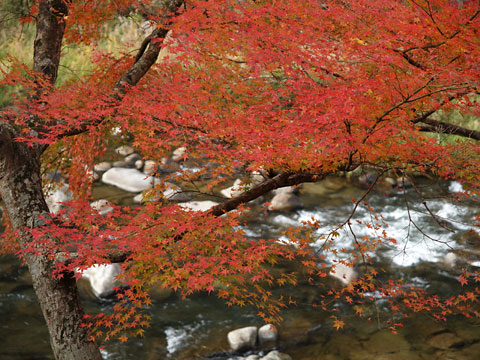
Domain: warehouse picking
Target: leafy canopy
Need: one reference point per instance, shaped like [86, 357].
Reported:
[303, 89]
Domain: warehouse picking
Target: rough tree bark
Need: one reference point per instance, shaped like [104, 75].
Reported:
[21, 190]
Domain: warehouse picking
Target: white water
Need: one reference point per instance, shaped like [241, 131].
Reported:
[418, 235]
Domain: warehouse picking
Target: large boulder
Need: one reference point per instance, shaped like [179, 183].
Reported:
[242, 339]
[102, 278]
[130, 180]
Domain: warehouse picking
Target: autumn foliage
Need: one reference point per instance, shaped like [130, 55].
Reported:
[293, 90]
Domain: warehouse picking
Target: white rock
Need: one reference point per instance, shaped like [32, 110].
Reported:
[276, 355]
[174, 193]
[243, 338]
[178, 154]
[284, 202]
[198, 205]
[102, 206]
[343, 273]
[450, 259]
[138, 198]
[252, 357]
[102, 278]
[257, 177]
[267, 333]
[234, 190]
[124, 150]
[103, 166]
[455, 187]
[55, 198]
[139, 164]
[285, 190]
[130, 180]
[149, 167]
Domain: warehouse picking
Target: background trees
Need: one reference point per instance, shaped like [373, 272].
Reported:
[292, 91]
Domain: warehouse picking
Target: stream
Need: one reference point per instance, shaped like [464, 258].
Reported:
[196, 328]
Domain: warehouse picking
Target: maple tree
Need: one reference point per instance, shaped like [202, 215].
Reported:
[293, 90]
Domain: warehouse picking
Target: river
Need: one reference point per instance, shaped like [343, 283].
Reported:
[196, 327]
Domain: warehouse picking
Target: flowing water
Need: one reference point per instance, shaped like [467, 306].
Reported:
[196, 327]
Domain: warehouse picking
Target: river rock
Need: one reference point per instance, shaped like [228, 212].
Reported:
[130, 180]
[102, 278]
[175, 193]
[198, 205]
[444, 341]
[56, 197]
[284, 202]
[132, 159]
[267, 333]
[450, 259]
[343, 273]
[149, 167]
[102, 206]
[234, 190]
[179, 154]
[124, 150]
[285, 190]
[102, 167]
[121, 164]
[244, 338]
[257, 178]
[276, 355]
[252, 357]
[139, 165]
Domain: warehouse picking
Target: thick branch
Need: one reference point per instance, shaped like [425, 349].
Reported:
[441, 127]
[281, 180]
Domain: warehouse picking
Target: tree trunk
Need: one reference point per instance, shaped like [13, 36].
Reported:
[21, 190]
